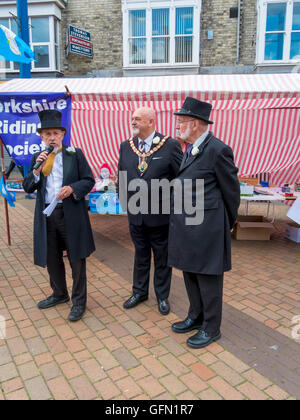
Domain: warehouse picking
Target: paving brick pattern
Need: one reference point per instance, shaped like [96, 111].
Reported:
[118, 354]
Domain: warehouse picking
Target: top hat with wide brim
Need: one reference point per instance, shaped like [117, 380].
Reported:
[50, 118]
[197, 109]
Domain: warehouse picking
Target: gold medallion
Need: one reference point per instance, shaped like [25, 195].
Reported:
[143, 166]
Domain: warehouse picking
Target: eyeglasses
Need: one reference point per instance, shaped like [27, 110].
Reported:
[185, 121]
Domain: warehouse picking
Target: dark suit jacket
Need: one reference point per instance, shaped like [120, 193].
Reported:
[163, 165]
[206, 248]
[78, 175]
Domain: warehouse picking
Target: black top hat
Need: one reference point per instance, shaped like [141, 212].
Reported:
[196, 109]
[50, 119]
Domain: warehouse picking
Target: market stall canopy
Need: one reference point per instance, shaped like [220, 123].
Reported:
[257, 115]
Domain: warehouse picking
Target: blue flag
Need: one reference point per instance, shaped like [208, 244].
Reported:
[11, 198]
[13, 48]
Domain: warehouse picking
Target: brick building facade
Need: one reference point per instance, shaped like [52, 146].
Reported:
[225, 53]
[162, 37]
[103, 19]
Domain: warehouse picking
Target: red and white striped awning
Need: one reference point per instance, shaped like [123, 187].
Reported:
[257, 115]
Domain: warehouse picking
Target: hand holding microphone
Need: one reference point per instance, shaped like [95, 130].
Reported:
[42, 158]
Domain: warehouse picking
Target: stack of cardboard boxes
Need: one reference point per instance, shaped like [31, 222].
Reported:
[251, 228]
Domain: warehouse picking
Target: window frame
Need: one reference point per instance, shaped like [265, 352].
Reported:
[53, 66]
[149, 5]
[261, 33]
[41, 44]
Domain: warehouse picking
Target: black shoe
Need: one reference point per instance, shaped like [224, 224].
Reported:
[185, 326]
[76, 313]
[134, 300]
[164, 306]
[52, 301]
[202, 339]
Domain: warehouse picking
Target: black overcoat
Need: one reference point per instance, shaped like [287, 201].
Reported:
[163, 165]
[206, 248]
[77, 174]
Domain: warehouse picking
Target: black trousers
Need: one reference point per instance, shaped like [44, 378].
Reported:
[145, 239]
[206, 299]
[57, 242]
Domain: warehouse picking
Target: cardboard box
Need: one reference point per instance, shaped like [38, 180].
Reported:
[292, 232]
[253, 228]
[249, 181]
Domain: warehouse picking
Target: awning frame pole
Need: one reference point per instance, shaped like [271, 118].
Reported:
[5, 201]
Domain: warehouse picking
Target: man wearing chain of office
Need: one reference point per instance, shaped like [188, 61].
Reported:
[146, 157]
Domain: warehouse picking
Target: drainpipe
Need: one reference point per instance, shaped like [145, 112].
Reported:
[238, 32]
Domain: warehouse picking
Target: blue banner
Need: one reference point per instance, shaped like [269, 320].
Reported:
[19, 122]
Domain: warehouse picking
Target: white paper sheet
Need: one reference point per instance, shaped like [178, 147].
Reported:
[294, 212]
[49, 210]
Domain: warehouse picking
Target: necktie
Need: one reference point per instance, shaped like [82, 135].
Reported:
[142, 147]
[47, 169]
[188, 152]
[189, 149]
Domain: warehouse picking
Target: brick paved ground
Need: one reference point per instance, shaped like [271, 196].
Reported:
[118, 354]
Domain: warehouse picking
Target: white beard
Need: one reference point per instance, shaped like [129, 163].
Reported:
[135, 131]
[186, 135]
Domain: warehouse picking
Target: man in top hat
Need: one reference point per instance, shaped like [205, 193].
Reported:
[202, 248]
[65, 176]
[148, 156]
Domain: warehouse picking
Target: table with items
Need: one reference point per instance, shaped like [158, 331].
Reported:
[269, 195]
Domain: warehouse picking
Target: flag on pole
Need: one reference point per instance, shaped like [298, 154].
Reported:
[10, 197]
[13, 48]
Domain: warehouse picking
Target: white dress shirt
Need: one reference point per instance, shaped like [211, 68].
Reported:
[201, 139]
[148, 142]
[54, 180]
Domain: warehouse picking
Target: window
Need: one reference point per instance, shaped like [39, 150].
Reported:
[44, 41]
[184, 27]
[137, 36]
[279, 34]
[40, 39]
[161, 35]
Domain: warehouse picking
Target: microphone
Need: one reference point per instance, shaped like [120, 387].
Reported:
[48, 150]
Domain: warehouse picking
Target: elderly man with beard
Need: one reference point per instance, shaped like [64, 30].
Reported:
[202, 249]
[148, 156]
